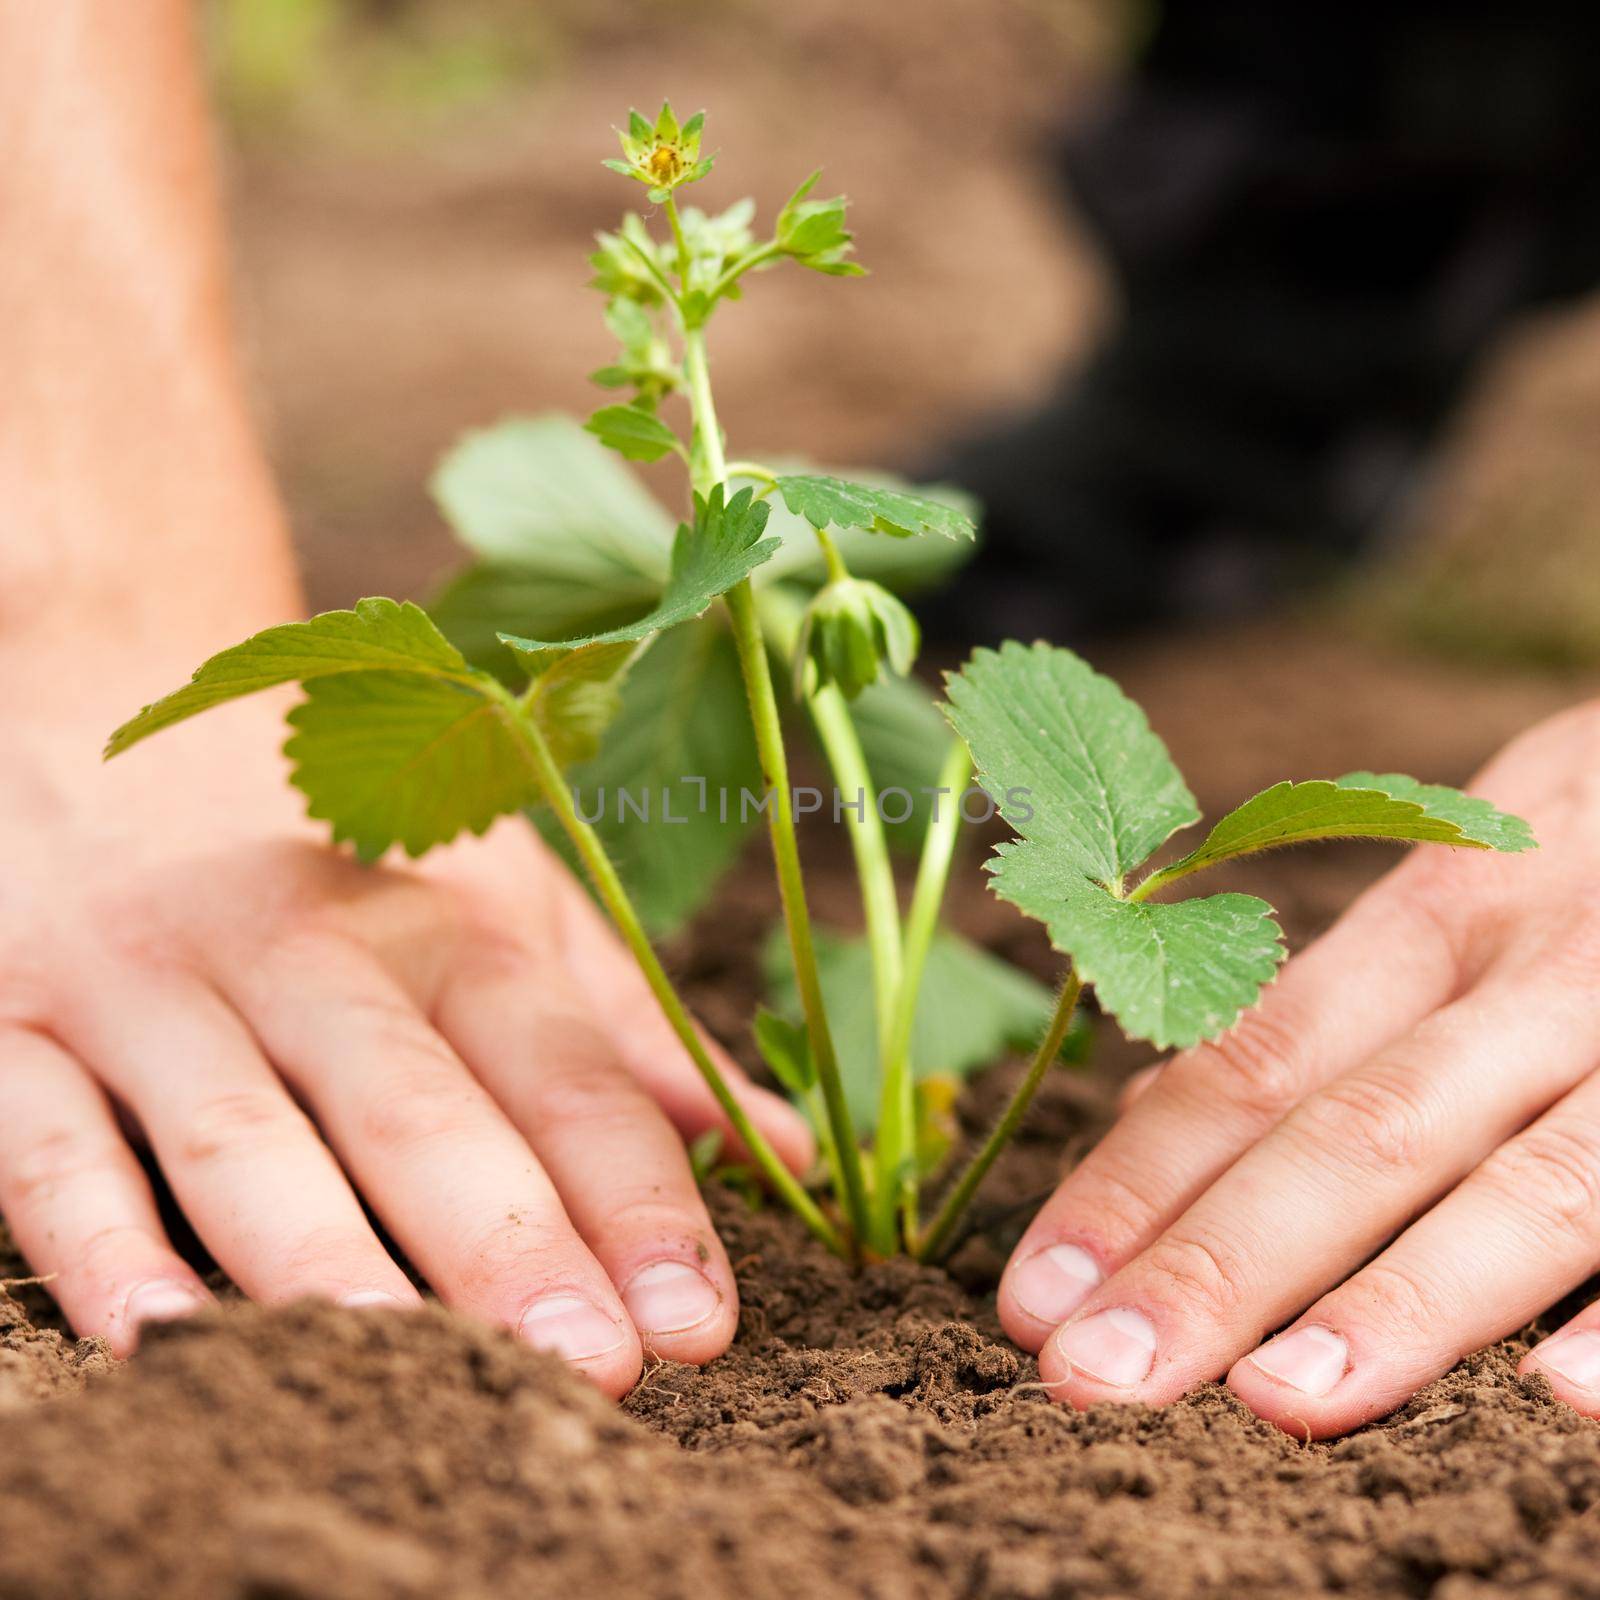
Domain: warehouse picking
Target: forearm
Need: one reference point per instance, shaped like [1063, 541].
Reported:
[134, 504]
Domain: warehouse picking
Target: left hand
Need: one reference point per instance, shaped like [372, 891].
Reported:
[1397, 1154]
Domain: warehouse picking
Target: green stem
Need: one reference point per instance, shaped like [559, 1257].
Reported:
[614, 897]
[735, 270]
[682, 244]
[754, 469]
[837, 570]
[897, 1115]
[880, 903]
[751, 646]
[932, 1243]
[791, 888]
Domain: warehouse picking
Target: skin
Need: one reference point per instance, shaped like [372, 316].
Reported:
[1395, 1159]
[458, 1051]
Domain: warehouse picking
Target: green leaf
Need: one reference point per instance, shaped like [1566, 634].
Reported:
[1173, 974]
[540, 495]
[396, 758]
[785, 1048]
[646, 361]
[635, 434]
[721, 548]
[704, 1152]
[903, 565]
[972, 1009]
[481, 602]
[575, 695]
[398, 741]
[833, 502]
[629, 262]
[682, 715]
[378, 636]
[1359, 806]
[1069, 758]
[1477, 819]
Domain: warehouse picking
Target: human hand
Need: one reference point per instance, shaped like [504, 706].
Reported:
[460, 1046]
[1397, 1154]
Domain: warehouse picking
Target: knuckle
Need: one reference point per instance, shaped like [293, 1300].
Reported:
[54, 1161]
[306, 944]
[332, 1253]
[1553, 1171]
[1569, 952]
[1257, 1067]
[646, 1212]
[1420, 901]
[492, 956]
[106, 1254]
[1207, 1274]
[1102, 1185]
[429, 1098]
[1373, 1121]
[522, 1255]
[230, 1124]
[1399, 1304]
[582, 1091]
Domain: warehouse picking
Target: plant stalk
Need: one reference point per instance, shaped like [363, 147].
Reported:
[603, 875]
[934, 1241]
[751, 646]
[897, 1116]
[880, 902]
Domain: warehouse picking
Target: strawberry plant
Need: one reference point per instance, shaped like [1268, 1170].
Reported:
[593, 648]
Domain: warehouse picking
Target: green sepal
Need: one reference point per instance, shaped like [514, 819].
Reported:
[852, 630]
[813, 232]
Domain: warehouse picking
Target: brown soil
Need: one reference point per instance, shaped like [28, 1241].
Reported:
[871, 1435]
[868, 1436]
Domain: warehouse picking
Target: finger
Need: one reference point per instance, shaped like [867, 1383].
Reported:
[78, 1203]
[621, 1000]
[1137, 1086]
[618, 1164]
[253, 1177]
[1378, 972]
[1520, 1232]
[453, 1180]
[1310, 1203]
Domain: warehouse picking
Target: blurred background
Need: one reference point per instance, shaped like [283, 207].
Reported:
[415, 185]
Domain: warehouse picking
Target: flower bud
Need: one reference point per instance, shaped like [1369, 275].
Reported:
[852, 628]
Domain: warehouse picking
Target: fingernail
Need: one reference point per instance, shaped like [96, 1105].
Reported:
[669, 1297]
[1052, 1283]
[1310, 1359]
[371, 1297]
[1116, 1346]
[1574, 1356]
[162, 1302]
[569, 1326]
